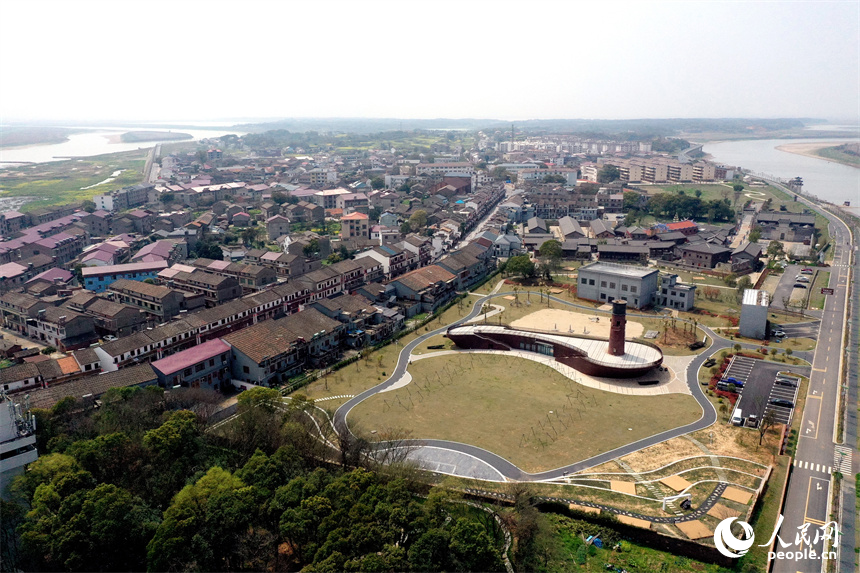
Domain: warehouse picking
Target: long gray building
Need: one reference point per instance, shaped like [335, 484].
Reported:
[604, 282]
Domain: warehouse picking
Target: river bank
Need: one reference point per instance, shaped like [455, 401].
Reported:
[827, 180]
[813, 150]
[27, 187]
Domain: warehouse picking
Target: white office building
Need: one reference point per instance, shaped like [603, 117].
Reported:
[605, 282]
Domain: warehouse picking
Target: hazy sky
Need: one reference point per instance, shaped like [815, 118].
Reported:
[160, 60]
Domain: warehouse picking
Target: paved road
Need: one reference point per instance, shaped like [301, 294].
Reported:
[503, 466]
[802, 329]
[807, 499]
[509, 471]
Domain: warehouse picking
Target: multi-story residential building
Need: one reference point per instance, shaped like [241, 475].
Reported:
[204, 366]
[160, 302]
[93, 387]
[352, 274]
[469, 265]
[284, 264]
[12, 222]
[605, 282]
[63, 247]
[355, 225]
[170, 251]
[318, 177]
[18, 308]
[393, 259]
[124, 198]
[539, 175]
[275, 350]
[323, 282]
[277, 226]
[110, 318]
[352, 202]
[98, 279]
[62, 328]
[216, 289]
[251, 277]
[419, 249]
[454, 169]
[365, 323]
[676, 295]
[425, 289]
[328, 199]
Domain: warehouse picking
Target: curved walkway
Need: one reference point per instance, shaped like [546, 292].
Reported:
[503, 466]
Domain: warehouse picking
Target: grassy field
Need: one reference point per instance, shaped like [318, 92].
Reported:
[60, 182]
[764, 519]
[565, 551]
[519, 409]
[837, 154]
[816, 299]
[710, 191]
[369, 372]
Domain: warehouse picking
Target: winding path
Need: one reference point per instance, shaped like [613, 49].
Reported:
[505, 467]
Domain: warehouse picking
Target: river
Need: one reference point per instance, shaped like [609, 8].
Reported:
[96, 142]
[827, 180]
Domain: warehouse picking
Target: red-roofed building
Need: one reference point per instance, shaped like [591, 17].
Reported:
[206, 365]
[686, 227]
[355, 225]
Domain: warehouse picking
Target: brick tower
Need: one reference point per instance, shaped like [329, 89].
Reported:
[617, 327]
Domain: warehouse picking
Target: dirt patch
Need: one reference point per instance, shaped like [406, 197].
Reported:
[565, 321]
[694, 529]
[676, 482]
[623, 486]
[722, 512]
[661, 454]
[726, 440]
[738, 495]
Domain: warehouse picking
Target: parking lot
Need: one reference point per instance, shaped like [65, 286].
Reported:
[786, 291]
[759, 387]
[799, 330]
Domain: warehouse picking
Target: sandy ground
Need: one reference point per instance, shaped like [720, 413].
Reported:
[564, 321]
[809, 149]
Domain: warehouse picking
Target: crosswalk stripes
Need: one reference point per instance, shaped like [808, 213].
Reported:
[812, 466]
[334, 397]
[842, 460]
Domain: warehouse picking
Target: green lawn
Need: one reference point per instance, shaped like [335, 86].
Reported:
[764, 519]
[816, 299]
[710, 191]
[565, 551]
[61, 182]
[836, 154]
[503, 404]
